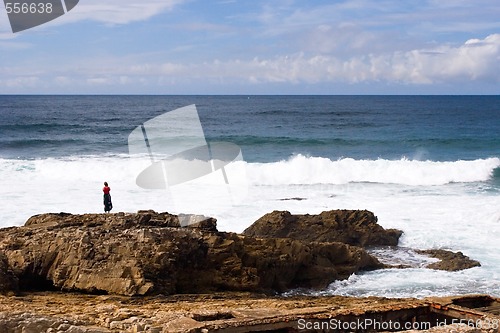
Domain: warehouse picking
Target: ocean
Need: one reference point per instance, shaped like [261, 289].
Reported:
[428, 165]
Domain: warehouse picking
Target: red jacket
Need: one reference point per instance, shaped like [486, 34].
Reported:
[106, 189]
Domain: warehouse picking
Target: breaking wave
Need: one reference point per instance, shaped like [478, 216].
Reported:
[318, 170]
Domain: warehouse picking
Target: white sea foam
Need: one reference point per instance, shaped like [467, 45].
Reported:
[414, 283]
[73, 184]
[318, 170]
[448, 205]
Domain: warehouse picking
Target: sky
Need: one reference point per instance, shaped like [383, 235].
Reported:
[257, 47]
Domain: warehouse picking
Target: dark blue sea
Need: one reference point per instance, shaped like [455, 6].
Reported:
[428, 165]
[268, 128]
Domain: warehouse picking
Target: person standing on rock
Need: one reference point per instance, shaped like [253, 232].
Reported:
[107, 198]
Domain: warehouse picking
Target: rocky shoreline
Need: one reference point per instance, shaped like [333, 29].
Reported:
[150, 253]
[69, 273]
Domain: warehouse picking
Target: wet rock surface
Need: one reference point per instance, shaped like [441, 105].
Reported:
[449, 261]
[438, 259]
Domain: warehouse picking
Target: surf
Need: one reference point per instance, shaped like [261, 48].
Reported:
[303, 170]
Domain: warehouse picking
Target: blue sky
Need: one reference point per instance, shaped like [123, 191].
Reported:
[257, 47]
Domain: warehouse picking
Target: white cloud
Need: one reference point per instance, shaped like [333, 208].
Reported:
[115, 11]
[63, 80]
[476, 60]
[108, 12]
[365, 26]
[100, 81]
[21, 82]
[121, 11]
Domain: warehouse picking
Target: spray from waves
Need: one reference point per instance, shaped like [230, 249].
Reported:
[496, 174]
[318, 170]
[417, 283]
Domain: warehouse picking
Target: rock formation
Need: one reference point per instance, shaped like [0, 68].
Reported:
[354, 227]
[449, 261]
[149, 253]
[8, 281]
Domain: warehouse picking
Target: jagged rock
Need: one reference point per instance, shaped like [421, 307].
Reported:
[282, 264]
[150, 253]
[449, 261]
[354, 227]
[8, 281]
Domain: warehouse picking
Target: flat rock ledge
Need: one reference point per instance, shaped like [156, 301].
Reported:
[244, 312]
[148, 253]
